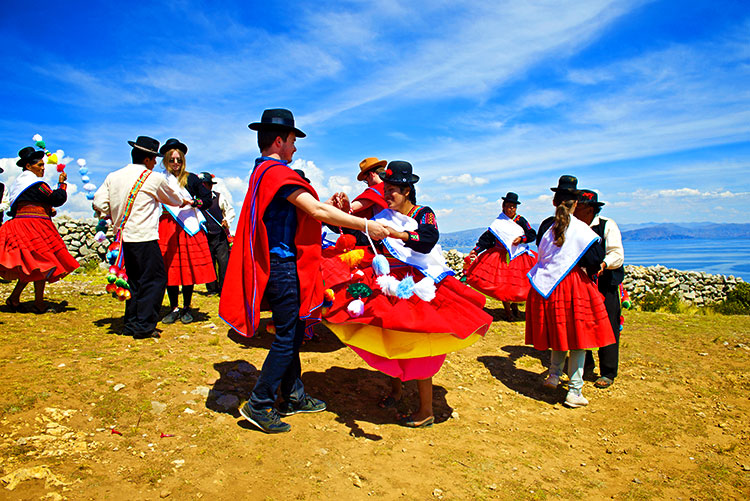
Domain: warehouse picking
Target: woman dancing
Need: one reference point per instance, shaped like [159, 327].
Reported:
[31, 249]
[403, 312]
[564, 310]
[501, 259]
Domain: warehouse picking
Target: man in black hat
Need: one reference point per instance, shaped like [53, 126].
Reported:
[135, 194]
[276, 258]
[219, 217]
[610, 277]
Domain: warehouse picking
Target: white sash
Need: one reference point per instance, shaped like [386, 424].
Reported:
[554, 263]
[24, 181]
[191, 219]
[431, 264]
[506, 230]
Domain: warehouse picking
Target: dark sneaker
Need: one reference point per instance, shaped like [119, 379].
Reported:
[266, 420]
[147, 335]
[307, 405]
[186, 317]
[171, 317]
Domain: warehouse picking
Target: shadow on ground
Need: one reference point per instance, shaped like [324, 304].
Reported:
[323, 341]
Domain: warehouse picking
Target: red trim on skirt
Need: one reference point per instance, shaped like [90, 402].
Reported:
[492, 275]
[187, 259]
[573, 317]
[31, 249]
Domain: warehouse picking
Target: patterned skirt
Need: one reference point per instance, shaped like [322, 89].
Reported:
[187, 259]
[31, 249]
[573, 317]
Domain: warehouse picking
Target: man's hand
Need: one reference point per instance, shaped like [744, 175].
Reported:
[377, 231]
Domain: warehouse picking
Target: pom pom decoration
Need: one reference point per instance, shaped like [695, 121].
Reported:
[356, 308]
[328, 295]
[353, 257]
[388, 284]
[40, 144]
[405, 288]
[111, 278]
[121, 283]
[127, 295]
[346, 242]
[36, 138]
[100, 236]
[358, 291]
[89, 187]
[83, 171]
[84, 178]
[52, 159]
[101, 225]
[90, 196]
[111, 288]
[81, 162]
[121, 293]
[60, 167]
[425, 289]
[380, 265]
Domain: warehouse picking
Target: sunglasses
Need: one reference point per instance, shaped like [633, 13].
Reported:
[175, 161]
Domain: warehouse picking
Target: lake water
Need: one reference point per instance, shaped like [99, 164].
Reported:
[725, 257]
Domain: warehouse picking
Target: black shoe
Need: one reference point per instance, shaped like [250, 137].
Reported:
[307, 405]
[186, 317]
[267, 419]
[171, 317]
[147, 335]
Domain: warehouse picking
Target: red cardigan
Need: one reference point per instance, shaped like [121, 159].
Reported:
[249, 262]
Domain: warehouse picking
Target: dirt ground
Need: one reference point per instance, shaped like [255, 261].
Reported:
[90, 414]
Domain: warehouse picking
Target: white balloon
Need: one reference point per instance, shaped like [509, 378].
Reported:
[81, 162]
[36, 138]
[89, 187]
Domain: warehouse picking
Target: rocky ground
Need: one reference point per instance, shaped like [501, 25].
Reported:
[90, 414]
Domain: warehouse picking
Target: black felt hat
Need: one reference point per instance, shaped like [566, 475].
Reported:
[589, 197]
[28, 155]
[147, 144]
[173, 144]
[399, 172]
[206, 177]
[567, 184]
[277, 117]
[512, 198]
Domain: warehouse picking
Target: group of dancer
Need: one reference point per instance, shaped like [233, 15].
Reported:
[383, 288]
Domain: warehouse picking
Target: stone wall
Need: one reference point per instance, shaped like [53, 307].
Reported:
[78, 235]
[696, 287]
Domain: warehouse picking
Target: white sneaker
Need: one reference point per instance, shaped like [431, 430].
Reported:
[552, 381]
[575, 400]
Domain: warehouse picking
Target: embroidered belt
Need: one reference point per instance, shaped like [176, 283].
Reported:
[32, 210]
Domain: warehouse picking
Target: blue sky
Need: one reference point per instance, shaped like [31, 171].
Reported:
[646, 102]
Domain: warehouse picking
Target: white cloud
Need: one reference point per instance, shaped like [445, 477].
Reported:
[443, 212]
[465, 179]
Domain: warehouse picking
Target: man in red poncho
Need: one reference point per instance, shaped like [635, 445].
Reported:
[276, 259]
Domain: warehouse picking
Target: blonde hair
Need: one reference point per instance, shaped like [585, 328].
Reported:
[562, 220]
[181, 176]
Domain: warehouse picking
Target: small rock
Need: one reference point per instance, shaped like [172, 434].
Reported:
[157, 407]
[188, 410]
[178, 463]
[184, 336]
[201, 390]
[60, 366]
[165, 493]
[437, 493]
[637, 481]
[356, 480]
[454, 415]
[118, 387]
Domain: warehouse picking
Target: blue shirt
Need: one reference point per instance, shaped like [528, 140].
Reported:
[280, 219]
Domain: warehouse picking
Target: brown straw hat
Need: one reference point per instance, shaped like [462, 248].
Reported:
[369, 164]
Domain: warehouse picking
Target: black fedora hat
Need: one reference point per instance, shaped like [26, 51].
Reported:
[399, 172]
[206, 177]
[147, 144]
[568, 184]
[512, 198]
[28, 155]
[589, 197]
[173, 144]
[277, 117]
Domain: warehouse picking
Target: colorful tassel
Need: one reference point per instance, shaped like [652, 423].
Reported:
[356, 308]
[388, 284]
[425, 289]
[353, 257]
[358, 291]
[405, 288]
[380, 265]
[346, 243]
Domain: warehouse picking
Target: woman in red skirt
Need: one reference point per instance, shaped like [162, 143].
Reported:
[564, 309]
[403, 317]
[182, 237]
[502, 258]
[31, 249]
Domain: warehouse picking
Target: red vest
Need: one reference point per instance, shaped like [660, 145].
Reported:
[249, 261]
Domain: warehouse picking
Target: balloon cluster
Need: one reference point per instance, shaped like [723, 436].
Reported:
[117, 283]
[58, 159]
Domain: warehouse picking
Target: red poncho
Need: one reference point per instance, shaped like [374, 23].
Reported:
[249, 262]
[373, 194]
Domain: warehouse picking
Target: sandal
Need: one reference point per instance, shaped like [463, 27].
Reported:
[408, 422]
[603, 382]
[388, 402]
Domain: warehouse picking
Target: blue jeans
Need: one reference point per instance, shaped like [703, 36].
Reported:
[575, 367]
[282, 368]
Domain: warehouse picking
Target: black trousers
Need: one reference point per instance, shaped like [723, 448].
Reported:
[219, 247]
[147, 277]
[609, 356]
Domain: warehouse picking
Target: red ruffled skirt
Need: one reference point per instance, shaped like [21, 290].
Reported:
[31, 249]
[491, 274]
[187, 259]
[573, 317]
[404, 338]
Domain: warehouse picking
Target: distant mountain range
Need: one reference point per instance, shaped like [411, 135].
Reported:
[464, 240]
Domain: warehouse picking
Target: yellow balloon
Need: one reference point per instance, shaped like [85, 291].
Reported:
[52, 159]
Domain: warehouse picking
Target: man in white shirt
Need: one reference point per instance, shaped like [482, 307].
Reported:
[144, 264]
[610, 277]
